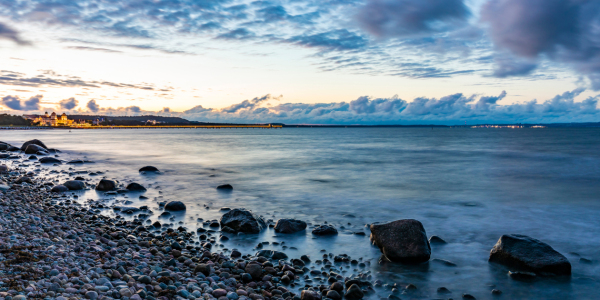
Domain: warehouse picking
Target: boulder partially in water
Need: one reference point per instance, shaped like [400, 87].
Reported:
[241, 220]
[4, 146]
[74, 185]
[289, 226]
[225, 187]
[325, 230]
[33, 142]
[149, 169]
[175, 206]
[136, 187]
[272, 254]
[403, 241]
[59, 189]
[525, 253]
[34, 149]
[106, 185]
[49, 160]
[24, 179]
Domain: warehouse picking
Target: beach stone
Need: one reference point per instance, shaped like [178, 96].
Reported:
[149, 169]
[232, 296]
[403, 241]
[145, 279]
[4, 146]
[528, 254]
[434, 239]
[254, 270]
[4, 187]
[34, 149]
[135, 187]
[33, 142]
[272, 254]
[49, 160]
[331, 294]
[354, 293]
[4, 169]
[337, 286]
[106, 185]
[175, 206]
[91, 295]
[59, 189]
[219, 293]
[24, 179]
[289, 226]
[324, 230]
[241, 220]
[309, 295]
[225, 187]
[19, 297]
[125, 292]
[202, 268]
[74, 185]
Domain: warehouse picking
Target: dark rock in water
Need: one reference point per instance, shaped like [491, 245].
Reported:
[143, 198]
[175, 206]
[3, 169]
[227, 229]
[156, 224]
[74, 185]
[289, 226]
[13, 149]
[34, 149]
[443, 290]
[325, 230]
[354, 293]
[272, 254]
[4, 146]
[106, 185]
[309, 295]
[403, 241]
[468, 296]
[4, 155]
[79, 178]
[75, 161]
[496, 292]
[149, 169]
[434, 239]
[333, 295]
[33, 157]
[444, 262]
[49, 160]
[24, 179]
[241, 220]
[225, 187]
[135, 187]
[33, 142]
[59, 189]
[528, 254]
[521, 275]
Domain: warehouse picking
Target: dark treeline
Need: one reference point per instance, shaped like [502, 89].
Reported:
[6, 120]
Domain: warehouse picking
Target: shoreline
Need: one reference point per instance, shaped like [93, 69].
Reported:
[108, 233]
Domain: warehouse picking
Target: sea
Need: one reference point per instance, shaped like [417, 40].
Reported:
[468, 186]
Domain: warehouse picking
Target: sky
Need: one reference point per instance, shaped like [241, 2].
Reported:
[304, 61]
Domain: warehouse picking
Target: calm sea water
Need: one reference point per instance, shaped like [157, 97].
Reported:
[468, 186]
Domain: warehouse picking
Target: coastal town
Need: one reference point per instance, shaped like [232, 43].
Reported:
[54, 120]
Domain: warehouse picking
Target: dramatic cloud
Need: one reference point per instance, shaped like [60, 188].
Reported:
[511, 66]
[92, 106]
[340, 40]
[15, 103]
[246, 104]
[397, 18]
[566, 31]
[68, 104]
[10, 34]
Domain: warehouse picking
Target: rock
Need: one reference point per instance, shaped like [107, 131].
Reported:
[354, 293]
[145, 279]
[4, 169]
[202, 268]
[225, 187]
[13, 149]
[24, 179]
[241, 220]
[309, 295]
[74, 185]
[19, 297]
[434, 239]
[272, 254]
[521, 275]
[403, 241]
[443, 290]
[289, 226]
[135, 187]
[468, 296]
[333, 295]
[33, 142]
[75, 162]
[254, 270]
[91, 295]
[4, 155]
[34, 149]
[528, 254]
[496, 292]
[337, 286]
[175, 206]
[4, 146]
[33, 157]
[125, 292]
[149, 169]
[325, 230]
[59, 189]
[49, 160]
[106, 185]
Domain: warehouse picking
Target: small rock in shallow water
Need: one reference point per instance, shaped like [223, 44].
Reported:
[148, 169]
[434, 239]
[289, 226]
[225, 187]
[325, 230]
[175, 206]
[403, 241]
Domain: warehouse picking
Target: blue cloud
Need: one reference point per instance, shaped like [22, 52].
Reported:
[15, 103]
[340, 40]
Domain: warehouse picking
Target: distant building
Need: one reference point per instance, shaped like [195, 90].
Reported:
[50, 120]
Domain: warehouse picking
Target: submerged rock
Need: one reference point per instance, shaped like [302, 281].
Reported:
[528, 254]
[149, 169]
[434, 239]
[24, 179]
[74, 185]
[175, 206]
[272, 254]
[49, 160]
[106, 185]
[241, 220]
[135, 187]
[289, 226]
[225, 187]
[4, 146]
[325, 230]
[403, 241]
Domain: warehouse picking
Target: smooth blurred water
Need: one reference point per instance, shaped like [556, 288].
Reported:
[468, 186]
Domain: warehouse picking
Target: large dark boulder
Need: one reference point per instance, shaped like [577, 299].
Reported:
[289, 226]
[4, 146]
[4, 155]
[13, 149]
[324, 230]
[524, 253]
[175, 206]
[106, 185]
[49, 160]
[74, 185]
[33, 142]
[148, 169]
[241, 220]
[34, 149]
[403, 241]
[59, 189]
[135, 187]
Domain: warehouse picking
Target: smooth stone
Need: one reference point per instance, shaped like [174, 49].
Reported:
[325, 230]
[59, 189]
[49, 160]
[175, 206]
[225, 187]
[403, 241]
[354, 293]
[148, 169]
[241, 220]
[74, 185]
[135, 187]
[106, 185]
[289, 226]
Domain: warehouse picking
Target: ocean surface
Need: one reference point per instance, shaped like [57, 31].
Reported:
[468, 186]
